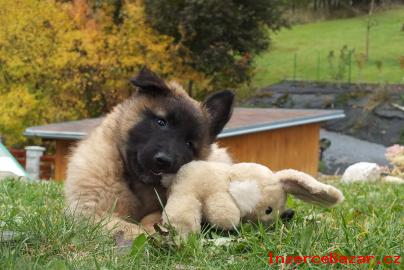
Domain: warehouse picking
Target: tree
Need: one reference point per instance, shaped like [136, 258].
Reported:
[64, 61]
[220, 38]
[369, 24]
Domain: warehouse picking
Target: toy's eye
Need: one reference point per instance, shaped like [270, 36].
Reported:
[161, 122]
[268, 210]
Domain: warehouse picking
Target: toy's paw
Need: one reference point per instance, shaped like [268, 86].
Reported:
[221, 211]
[182, 227]
[183, 213]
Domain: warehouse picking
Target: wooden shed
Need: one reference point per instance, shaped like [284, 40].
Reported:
[278, 138]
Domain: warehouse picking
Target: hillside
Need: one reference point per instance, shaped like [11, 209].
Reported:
[312, 43]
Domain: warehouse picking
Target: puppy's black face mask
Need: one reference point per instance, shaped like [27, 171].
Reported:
[162, 144]
[174, 133]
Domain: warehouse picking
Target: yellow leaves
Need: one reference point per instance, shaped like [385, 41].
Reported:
[18, 107]
[68, 61]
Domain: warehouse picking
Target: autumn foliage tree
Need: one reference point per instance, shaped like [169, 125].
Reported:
[68, 60]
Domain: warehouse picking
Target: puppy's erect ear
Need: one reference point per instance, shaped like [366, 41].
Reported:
[149, 83]
[220, 108]
[308, 189]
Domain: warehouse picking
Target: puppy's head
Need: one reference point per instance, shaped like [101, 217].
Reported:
[173, 128]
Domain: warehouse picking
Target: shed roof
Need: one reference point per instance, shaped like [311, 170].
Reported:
[243, 121]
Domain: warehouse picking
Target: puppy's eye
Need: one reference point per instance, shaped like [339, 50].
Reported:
[190, 145]
[161, 122]
[268, 210]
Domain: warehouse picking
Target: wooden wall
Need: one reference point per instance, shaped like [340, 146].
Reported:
[61, 156]
[294, 147]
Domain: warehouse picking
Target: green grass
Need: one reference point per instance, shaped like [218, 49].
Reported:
[369, 222]
[312, 43]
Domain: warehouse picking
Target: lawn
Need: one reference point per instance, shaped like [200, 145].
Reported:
[311, 44]
[369, 222]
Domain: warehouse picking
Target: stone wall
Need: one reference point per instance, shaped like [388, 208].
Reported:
[373, 112]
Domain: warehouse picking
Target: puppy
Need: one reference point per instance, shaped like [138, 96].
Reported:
[116, 173]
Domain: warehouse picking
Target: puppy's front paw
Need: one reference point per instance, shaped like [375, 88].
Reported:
[150, 220]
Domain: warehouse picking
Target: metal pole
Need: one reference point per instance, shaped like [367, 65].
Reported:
[318, 66]
[350, 66]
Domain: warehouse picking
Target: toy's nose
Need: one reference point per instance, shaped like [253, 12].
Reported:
[287, 215]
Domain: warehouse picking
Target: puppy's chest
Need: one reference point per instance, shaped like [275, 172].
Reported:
[151, 198]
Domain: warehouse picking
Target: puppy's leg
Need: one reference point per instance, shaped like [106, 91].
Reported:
[102, 204]
[130, 230]
[183, 213]
[220, 210]
[148, 221]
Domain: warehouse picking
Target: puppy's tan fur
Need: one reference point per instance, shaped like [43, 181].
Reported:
[95, 186]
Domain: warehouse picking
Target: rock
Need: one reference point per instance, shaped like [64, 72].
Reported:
[6, 236]
[315, 101]
[393, 179]
[389, 111]
[362, 172]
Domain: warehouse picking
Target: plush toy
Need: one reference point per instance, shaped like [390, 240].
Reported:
[224, 194]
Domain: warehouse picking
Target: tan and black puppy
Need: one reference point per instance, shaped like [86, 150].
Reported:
[117, 170]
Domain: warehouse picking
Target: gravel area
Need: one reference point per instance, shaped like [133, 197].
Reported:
[346, 150]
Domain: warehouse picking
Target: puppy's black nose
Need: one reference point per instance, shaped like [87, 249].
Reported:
[162, 160]
[287, 215]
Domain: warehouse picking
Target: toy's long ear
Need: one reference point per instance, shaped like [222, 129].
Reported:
[308, 189]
